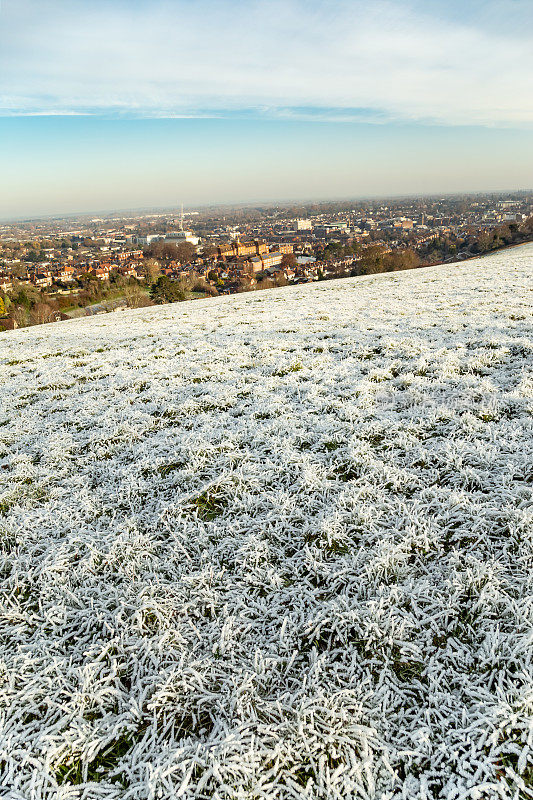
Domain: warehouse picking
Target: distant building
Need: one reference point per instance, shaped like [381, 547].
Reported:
[239, 249]
[266, 261]
[177, 237]
[283, 247]
[272, 259]
[65, 274]
[128, 271]
[151, 237]
[6, 283]
[102, 272]
[42, 279]
[302, 225]
[330, 229]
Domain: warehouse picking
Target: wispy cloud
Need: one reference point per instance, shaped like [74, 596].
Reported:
[338, 60]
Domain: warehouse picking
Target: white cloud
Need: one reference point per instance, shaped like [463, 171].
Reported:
[292, 58]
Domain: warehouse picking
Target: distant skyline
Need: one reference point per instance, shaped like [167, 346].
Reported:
[139, 103]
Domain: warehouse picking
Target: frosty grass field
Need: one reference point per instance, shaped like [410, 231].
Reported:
[275, 545]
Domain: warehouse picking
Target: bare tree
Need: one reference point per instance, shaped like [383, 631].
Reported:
[185, 251]
[152, 270]
[288, 261]
[209, 251]
[41, 313]
[135, 297]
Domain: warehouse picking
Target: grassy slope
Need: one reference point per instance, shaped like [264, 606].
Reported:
[275, 545]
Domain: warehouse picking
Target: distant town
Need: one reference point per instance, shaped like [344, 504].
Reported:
[60, 268]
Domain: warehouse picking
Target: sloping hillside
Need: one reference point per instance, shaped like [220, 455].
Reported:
[276, 545]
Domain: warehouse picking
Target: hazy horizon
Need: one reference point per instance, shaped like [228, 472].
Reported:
[167, 210]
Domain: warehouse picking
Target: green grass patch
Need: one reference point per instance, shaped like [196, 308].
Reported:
[75, 772]
[210, 504]
[167, 469]
[280, 373]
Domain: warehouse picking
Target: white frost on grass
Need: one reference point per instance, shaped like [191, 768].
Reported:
[273, 546]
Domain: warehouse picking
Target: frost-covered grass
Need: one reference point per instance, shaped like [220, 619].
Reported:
[273, 546]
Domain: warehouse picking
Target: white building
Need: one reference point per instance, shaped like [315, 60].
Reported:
[176, 237]
[151, 237]
[302, 225]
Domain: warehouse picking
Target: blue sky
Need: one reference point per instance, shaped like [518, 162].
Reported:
[126, 103]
